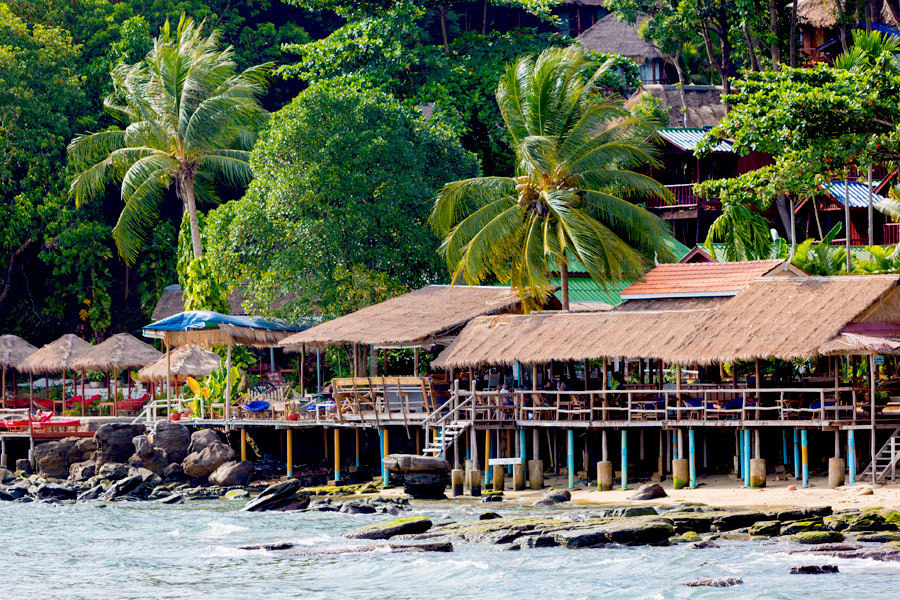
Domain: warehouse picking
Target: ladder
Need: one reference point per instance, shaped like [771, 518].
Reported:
[886, 460]
[446, 437]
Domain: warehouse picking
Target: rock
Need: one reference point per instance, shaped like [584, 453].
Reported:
[91, 494]
[722, 582]
[557, 496]
[543, 502]
[792, 488]
[268, 547]
[388, 529]
[865, 492]
[538, 541]
[232, 473]
[147, 456]
[55, 491]
[801, 526]
[582, 538]
[52, 458]
[422, 547]
[86, 446]
[639, 530]
[803, 514]
[766, 528]
[682, 522]
[426, 486]
[630, 511]
[201, 464]
[82, 471]
[728, 521]
[410, 463]
[703, 545]
[881, 536]
[818, 537]
[493, 498]
[835, 523]
[814, 569]
[687, 536]
[648, 491]
[236, 495]
[114, 442]
[202, 439]
[6, 475]
[113, 471]
[173, 472]
[23, 466]
[122, 487]
[172, 499]
[277, 496]
[869, 522]
[171, 437]
[357, 508]
[488, 516]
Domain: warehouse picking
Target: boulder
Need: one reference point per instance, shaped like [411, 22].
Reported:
[389, 529]
[422, 547]
[173, 472]
[538, 541]
[630, 511]
[23, 465]
[488, 516]
[814, 569]
[869, 522]
[801, 526]
[200, 464]
[728, 521]
[112, 471]
[82, 471]
[557, 496]
[172, 499]
[91, 494]
[818, 537]
[425, 486]
[721, 582]
[697, 522]
[232, 473]
[409, 463]
[56, 492]
[114, 442]
[277, 496]
[6, 475]
[766, 528]
[86, 446]
[803, 514]
[648, 491]
[171, 437]
[881, 536]
[52, 458]
[422, 477]
[138, 485]
[201, 439]
[147, 456]
[357, 508]
[639, 530]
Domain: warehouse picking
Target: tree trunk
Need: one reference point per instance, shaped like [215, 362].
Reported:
[443, 12]
[725, 45]
[754, 62]
[186, 190]
[707, 44]
[684, 112]
[774, 48]
[484, 15]
[564, 283]
[793, 36]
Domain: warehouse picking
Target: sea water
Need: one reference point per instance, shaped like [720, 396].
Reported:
[145, 550]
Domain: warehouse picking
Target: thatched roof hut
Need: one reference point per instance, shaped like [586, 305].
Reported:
[121, 351]
[56, 356]
[612, 36]
[420, 318]
[13, 350]
[823, 14]
[171, 302]
[186, 361]
[703, 102]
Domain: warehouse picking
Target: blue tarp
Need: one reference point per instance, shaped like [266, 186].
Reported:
[192, 320]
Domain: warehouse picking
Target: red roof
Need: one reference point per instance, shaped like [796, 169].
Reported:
[687, 280]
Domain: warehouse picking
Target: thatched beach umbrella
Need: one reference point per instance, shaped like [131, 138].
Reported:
[13, 350]
[55, 357]
[120, 352]
[183, 362]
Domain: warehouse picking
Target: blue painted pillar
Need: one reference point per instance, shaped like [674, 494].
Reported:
[522, 446]
[740, 467]
[570, 457]
[624, 459]
[747, 455]
[851, 454]
[487, 459]
[676, 449]
[692, 458]
[384, 471]
[804, 456]
[784, 452]
[796, 455]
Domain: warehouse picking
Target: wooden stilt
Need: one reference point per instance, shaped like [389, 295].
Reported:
[243, 444]
[337, 455]
[289, 433]
[356, 446]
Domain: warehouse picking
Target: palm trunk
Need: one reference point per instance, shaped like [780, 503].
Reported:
[564, 283]
[186, 188]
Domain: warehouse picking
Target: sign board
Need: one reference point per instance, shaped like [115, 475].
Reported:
[878, 360]
[496, 462]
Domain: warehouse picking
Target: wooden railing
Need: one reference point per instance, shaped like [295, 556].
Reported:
[891, 233]
[684, 197]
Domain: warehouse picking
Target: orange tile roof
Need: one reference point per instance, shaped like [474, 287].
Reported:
[685, 280]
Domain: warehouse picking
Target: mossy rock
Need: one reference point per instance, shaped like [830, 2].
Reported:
[868, 522]
[818, 537]
[836, 522]
[729, 521]
[801, 526]
[766, 528]
[891, 545]
[687, 536]
[892, 517]
[388, 529]
[879, 536]
[690, 521]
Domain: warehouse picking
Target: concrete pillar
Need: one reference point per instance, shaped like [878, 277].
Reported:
[680, 473]
[796, 454]
[804, 457]
[624, 459]
[456, 481]
[536, 474]
[499, 478]
[757, 472]
[570, 457]
[519, 477]
[604, 476]
[475, 483]
[466, 478]
[692, 460]
[836, 467]
[535, 444]
[851, 455]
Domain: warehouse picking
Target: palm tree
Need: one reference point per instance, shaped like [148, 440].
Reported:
[191, 120]
[744, 233]
[571, 196]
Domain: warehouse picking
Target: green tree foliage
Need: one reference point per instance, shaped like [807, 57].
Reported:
[191, 120]
[822, 258]
[571, 197]
[343, 175]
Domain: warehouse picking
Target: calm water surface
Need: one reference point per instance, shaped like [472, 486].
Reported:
[143, 550]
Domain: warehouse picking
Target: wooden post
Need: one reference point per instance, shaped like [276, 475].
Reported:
[83, 397]
[804, 456]
[243, 444]
[168, 381]
[872, 415]
[325, 443]
[115, 392]
[473, 444]
[416, 361]
[570, 457]
[337, 455]
[301, 370]
[356, 446]
[661, 461]
[418, 441]
[226, 412]
[290, 452]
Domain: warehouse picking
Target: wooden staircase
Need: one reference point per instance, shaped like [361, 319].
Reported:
[886, 461]
[446, 437]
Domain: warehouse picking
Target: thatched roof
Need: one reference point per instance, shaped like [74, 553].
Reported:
[543, 337]
[14, 350]
[612, 36]
[784, 318]
[703, 102]
[414, 319]
[121, 351]
[186, 361]
[171, 302]
[824, 14]
[55, 357]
